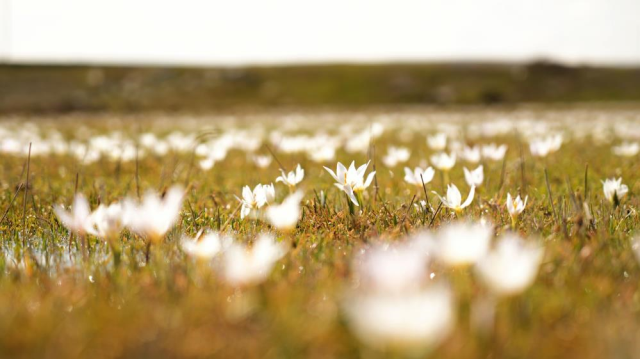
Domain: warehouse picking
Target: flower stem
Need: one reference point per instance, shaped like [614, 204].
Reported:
[350, 204]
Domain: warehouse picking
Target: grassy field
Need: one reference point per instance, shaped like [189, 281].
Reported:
[60, 89]
[64, 295]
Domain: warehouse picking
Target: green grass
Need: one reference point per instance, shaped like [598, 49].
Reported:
[585, 302]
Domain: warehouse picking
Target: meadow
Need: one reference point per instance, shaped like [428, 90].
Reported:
[173, 256]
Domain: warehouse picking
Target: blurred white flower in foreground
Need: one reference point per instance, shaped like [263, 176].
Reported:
[391, 268]
[412, 322]
[462, 243]
[627, 149]
[475, 177]
[418, 176]
[285, 216]
[292, 178]
[205, 246]
[443, 161]
[511, 267]
[614, 189]
[541, 147]
[494, 152]
[396, 155]
[155, 215]
[393, 306]
[351, 181]
[246, 266]
[107, 221]
[454, 198]
[437, 142]
[206, 164]
[78, 220]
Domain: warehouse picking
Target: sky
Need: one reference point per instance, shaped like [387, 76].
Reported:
[241, 32]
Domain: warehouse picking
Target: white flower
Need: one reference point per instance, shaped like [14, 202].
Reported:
[252, 199]
[396, 155]
[471, 154]
[454, 198]
[463, 243]
[246, 266]
[627, 149]
[613, 188]
[161, 148]
[79, 219]
[494, 152]
[285, 216]
[292, 178]
[155, 215]
[515, 206]
[205, 246]
[437, 142]
[107, 221]
[261, 161]
[413, 322]
[541, 147]
[351, 181]
[391, 268]
[443, 161]
[511, 267]
[207, 163]
[269, 192]
[417, 177]
[475, 177]
[256, 199]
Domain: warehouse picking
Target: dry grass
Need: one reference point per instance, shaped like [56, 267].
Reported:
[585, 302]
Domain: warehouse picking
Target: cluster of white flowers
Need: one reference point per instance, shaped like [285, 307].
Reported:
[282, 216]
[507, 269]
[398, 303]
[152, 218]
[351, 131]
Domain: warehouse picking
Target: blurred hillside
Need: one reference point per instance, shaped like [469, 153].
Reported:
[130, 89]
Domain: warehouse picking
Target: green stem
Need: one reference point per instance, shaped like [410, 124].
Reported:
[350, 204]
[360, 200]
[117, 252]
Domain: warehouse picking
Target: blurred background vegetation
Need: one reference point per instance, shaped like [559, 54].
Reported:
[60, 89]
